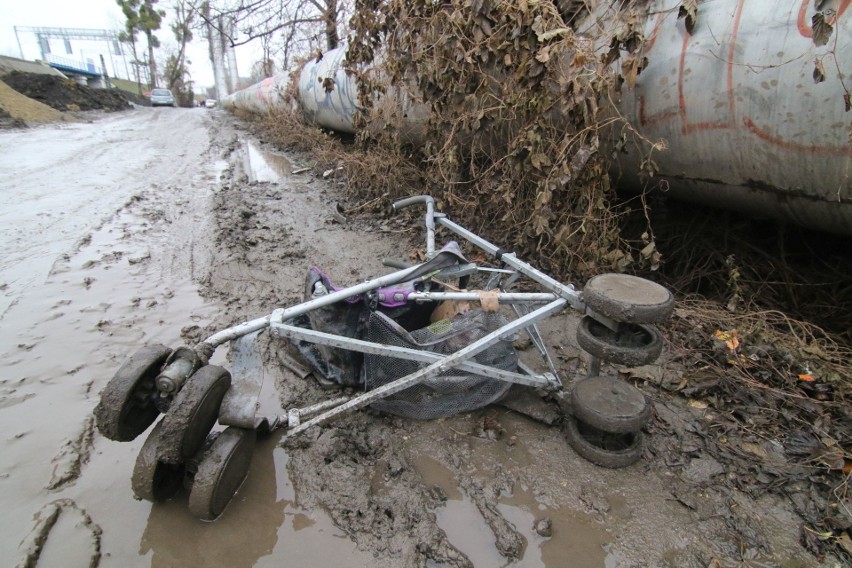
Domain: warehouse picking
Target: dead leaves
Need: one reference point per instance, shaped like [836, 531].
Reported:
[631, 67]
[822, 29]
[689, 10]
[819, 71]
[514, 94]
[728, 339]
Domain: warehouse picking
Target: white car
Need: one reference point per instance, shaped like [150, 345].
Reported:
[162, 97]
[210, 103]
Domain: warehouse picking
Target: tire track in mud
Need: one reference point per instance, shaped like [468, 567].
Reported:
[67, 465]
[111, 285]
[80, 542]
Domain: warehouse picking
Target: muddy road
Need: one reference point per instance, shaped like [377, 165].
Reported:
[161, 225]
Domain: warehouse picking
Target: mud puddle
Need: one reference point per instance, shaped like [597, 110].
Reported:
[62, 340]
[263, 165]
[262, 525]
[578, 536]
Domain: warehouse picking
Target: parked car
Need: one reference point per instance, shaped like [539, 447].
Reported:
[162, 97]
[210, 103]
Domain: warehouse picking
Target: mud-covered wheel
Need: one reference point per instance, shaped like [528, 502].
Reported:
[632, 344]
[127, 406]
[221, 471]
[604, 448]
[154, 480]
[610, 405]
[192, 413]
[629, 299]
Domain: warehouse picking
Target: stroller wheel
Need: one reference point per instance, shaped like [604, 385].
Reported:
[632, 344]
[221, 471]
[193, 413]
[127, 406]
[604, 448]
[610, 405]
[154, 480]
[630, 299]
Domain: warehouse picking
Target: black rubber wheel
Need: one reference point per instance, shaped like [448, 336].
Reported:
[127, 406]
[632, 344]
[610, 405]
[221, 471]
[152, 479]
[192, 413]
[628, 299]
[604, 448]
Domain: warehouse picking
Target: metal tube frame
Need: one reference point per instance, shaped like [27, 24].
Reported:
[361, 346]
[557, 298]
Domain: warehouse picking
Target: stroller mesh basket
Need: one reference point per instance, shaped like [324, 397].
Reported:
[451, 392]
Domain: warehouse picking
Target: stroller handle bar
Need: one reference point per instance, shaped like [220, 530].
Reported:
[430, 218]
[413, 200]
[566, 292]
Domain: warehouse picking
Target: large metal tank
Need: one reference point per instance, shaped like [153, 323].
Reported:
[746, 125]
[328, 95]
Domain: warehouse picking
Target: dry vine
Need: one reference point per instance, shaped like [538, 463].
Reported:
[512, 148]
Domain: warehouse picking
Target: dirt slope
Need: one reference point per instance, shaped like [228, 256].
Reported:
[65, 94]
[17, 110]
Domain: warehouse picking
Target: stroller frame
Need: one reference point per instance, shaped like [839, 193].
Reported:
[238, 408]
[182, 450]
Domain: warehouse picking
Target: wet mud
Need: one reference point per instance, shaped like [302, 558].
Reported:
[170, 254]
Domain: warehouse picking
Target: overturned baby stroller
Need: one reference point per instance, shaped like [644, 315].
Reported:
[413, 345]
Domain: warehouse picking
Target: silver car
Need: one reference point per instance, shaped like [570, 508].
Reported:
[162, 97]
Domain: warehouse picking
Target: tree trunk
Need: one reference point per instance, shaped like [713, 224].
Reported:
[136, 64]
[231, 58]
[152, 64]
[332, 38]
[218, 58]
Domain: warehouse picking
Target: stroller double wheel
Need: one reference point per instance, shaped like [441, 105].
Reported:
[607, 420]
[608, 414]
[180, 450]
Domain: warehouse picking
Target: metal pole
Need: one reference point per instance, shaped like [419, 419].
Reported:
[281, 314]
[124, 58]
[568, 292]
[351, 344]
[104, 70]
[19, 42]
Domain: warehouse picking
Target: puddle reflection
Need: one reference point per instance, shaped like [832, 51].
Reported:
[575, 535]
[263, 166]
[262, 526]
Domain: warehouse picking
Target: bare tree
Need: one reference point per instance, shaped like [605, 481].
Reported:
[175, 72]
[259, 18]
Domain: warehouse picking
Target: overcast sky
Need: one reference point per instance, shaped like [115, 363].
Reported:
[97, 14]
